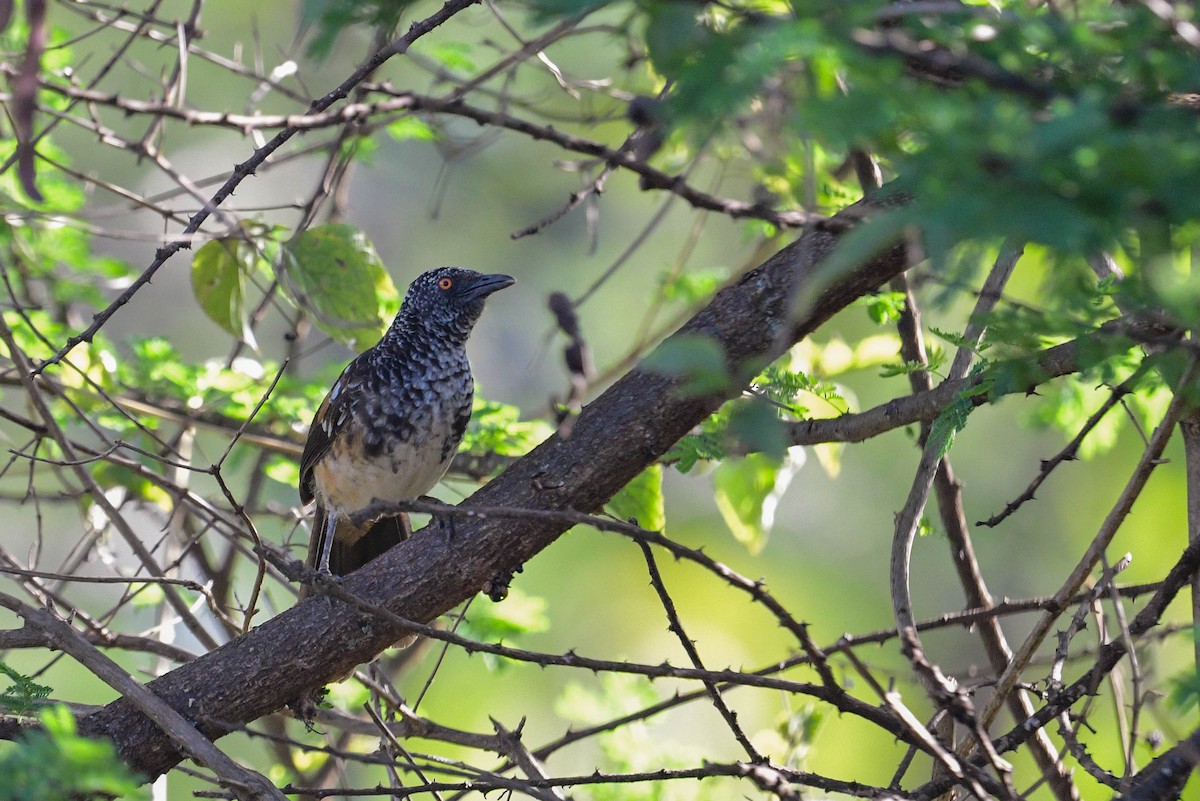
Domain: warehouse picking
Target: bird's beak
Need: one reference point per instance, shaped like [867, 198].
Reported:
[485, 285]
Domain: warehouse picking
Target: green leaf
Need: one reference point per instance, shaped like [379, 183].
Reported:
[705, 445]
[347, 694]
[691, 287]
[858, 245]
[453, 55]
[498, 428]
[959, 341]
[642, 500]
[23, 695]
[884, 307]
[329, 18]
[673, 35]
[695, 358]
[757, 426]
[57, 762]
[335, 274]
[520, 614]
[411, 127]
[219, 271]
[953, 418]
[748, 490]
[1185, 691]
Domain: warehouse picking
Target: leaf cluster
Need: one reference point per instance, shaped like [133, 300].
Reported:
[23, 695]
[56, 762]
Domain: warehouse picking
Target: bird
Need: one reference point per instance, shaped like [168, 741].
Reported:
[393, 420]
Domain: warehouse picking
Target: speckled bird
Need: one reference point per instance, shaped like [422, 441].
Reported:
[392, 421]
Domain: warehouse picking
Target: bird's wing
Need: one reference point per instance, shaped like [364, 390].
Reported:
[326, 423]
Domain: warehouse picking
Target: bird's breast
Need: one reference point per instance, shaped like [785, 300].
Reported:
[350, 479]
[396, 441]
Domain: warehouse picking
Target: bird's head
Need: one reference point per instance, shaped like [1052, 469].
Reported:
[450, 298]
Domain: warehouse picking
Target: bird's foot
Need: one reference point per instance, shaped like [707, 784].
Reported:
[445, 522]
[324, 582]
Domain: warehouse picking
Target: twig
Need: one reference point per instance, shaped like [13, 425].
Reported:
[1070, 452]
[675, 626]
[97, 493]
[246, 784]
[1055, 683]
[1108, 529]
[248, 167]
[1111, 653]
[1053, 362]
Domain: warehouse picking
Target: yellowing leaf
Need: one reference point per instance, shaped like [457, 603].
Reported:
[829, 456]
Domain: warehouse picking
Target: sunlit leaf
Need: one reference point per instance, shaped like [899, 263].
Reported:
[411, 128]
[642, 500]
[748, 490]
[453, 55]
[147, 594]
[285, 471]
[519, 614]
[884, 307]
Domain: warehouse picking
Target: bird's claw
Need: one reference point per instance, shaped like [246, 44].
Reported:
[446, 523]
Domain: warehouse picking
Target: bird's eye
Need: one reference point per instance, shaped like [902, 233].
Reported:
[445, 283]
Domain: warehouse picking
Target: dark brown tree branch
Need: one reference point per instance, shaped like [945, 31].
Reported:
[246, 784]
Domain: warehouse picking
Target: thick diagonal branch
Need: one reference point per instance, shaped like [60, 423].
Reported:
[616, 437]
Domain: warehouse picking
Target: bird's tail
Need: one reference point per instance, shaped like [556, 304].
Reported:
[353, 547]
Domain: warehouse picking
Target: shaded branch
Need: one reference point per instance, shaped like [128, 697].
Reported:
[1021, 375]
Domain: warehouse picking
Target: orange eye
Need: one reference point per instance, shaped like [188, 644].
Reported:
[445, 283]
